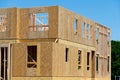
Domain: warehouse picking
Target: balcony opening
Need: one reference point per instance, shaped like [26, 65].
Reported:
[3, 23]
[39, 22]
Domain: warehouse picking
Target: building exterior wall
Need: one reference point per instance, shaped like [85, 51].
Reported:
[52, 44]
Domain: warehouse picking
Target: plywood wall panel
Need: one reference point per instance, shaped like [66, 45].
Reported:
[46, 59]
[24, 27]
[19, 59]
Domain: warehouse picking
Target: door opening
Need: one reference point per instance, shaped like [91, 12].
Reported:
[4, 63]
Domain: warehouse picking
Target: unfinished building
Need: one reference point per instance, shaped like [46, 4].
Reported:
[52, 43]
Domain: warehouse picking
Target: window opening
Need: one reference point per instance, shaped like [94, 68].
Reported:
[39, 22]
[3, 23]
[108, 63]
[75, 26]
[97, 34]
[32, 56]
[66, 56]
[83, 28]
[88, 58]
[79, 59]
[97, 62]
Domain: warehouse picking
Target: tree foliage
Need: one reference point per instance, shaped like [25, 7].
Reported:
[115, 58]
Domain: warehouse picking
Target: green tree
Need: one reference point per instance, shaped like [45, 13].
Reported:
[115, 60]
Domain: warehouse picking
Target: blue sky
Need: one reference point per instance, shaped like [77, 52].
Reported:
[106, 12]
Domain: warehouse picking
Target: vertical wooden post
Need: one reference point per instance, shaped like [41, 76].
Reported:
[4, 62]
[9, 63]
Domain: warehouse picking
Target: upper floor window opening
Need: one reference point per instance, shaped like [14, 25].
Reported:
[90, 32]
[108, 38]
[97, 34]
[83, 29]
[3, 23]
[87, 28]
[39, 22]
[75, 25]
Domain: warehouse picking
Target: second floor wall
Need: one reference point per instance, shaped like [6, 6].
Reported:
[51, 22]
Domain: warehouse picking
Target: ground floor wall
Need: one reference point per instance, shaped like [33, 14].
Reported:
[51, 61]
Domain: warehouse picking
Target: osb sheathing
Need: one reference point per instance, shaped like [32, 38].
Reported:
[58, 78]
[19, 59]
[11, 23]
[50, 60]
[31, 78]
[70, 68]
[66, 27]
[52, 23]
[46, 59]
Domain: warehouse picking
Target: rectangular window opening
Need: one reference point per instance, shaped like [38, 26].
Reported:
[83, 28]
[79, 59]
[66, 55]
[79, 56]
[108, 63]
[108, 38]
[88, 57]
[32, 57]
[97, 62]
[97, 34]
[87, 28]
[3, 23]
[90, 36]
[75, 26]
[39, 22]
